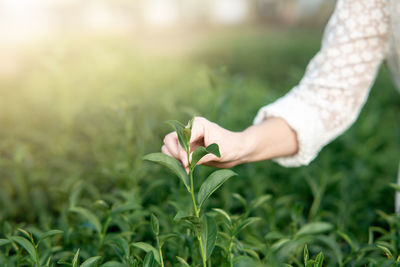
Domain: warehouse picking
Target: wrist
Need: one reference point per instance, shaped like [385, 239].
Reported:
[269, 139]
[245, 146]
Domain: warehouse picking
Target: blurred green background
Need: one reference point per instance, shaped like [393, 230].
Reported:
[79, 107]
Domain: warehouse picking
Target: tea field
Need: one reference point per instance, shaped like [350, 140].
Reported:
[80, 113]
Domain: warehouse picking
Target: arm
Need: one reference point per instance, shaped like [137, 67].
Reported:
[272, 138]
[293, 129]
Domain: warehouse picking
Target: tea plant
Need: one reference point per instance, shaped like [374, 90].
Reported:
[71, 159]
[30, 245]
[203, 226]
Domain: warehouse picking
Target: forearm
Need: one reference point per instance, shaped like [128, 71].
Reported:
[269, 139]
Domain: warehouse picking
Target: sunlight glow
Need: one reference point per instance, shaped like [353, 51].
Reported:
[229, 11]
[23, 19]
[160, 12]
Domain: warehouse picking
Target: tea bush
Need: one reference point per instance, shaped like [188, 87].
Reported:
[77, 120]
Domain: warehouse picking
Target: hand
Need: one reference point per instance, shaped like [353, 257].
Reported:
[270, 139]
[204, 133]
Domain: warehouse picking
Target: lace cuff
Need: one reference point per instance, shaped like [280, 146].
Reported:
[304, 120]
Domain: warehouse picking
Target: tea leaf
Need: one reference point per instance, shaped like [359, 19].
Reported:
[246, 223]
[149, 260]
[225, 215]
[354, 246]
[240, 199]
[124, 207]
[319, 260]
[23, 242]
[73, 198]
[306, 254]
[89, 216]
[179, 128]
[76, 258]
[385, 250]
[209, 235]
[49, 234]
[148, 248]
[259, 201]
[171, 163]
[48, 262]
[91, 261]
[4, 242]
[113, 264]
[213, 182]
[187, 132]
[155, 224]
[200, 152]
[195, 223]
[332, 244]
[182, 261]
[26, 233]
[314, 228]
[190, 124]
[64, 262]
[166, 237]
[252, 253]
[123, 244]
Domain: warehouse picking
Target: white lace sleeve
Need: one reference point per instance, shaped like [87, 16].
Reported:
[337, 80]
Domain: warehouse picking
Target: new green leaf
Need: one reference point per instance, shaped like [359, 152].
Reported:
[4, 242]
[113, 264]
[49, 234]
[213, 182]
[246, 223]
[155, 224]
[182, 261]
[76, 258]
[171, 163]
[200, 152]
[179, 129]
[148, 248]
[149, 260]
[89, 216]
[90, 262]
[315, 228]
[23, 242]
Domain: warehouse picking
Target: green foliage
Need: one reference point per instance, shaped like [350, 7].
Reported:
[74, 189]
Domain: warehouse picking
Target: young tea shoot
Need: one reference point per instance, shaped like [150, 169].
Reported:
[203, 226]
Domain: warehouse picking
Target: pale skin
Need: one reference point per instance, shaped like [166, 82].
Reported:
[270, 139]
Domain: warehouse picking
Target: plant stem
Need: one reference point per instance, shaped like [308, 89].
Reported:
[203, 257]
[230, 252]
[160, 251]
[196, 211]
[37, 263]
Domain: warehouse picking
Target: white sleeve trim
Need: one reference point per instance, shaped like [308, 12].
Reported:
[304, 120]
